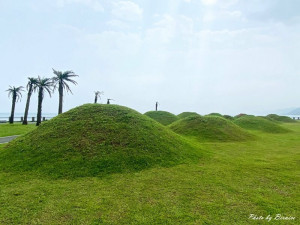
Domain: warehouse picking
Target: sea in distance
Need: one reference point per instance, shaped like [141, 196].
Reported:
[30, 115]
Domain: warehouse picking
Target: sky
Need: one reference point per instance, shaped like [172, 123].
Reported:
[226, 56]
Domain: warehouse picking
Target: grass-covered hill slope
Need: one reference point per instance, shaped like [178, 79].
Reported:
[278, 118]
[215, 114]
[187, 114]
[259, 123]
[163, 117]
[94, 140]
[210, 128]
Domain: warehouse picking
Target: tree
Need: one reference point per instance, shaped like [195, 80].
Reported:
[108, 101]
[156, 106]
[16, 94]
[31, 87]
[98, 95]
[43, 84]
[61, 80]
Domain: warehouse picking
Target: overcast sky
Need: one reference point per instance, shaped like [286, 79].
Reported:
[226, 56]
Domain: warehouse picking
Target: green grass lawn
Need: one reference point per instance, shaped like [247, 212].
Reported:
[15, 129]
[231, 182]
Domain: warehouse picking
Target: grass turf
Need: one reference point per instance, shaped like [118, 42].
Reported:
[259, 123]
[187, 114]
[210, 128]
[235, 180]
[163, 117]
[96, 140]
[278, 118]
[15, 129]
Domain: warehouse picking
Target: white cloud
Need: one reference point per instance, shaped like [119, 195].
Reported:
[127, 10]
[118, 24]
[169, 27]
[115, 43]
[209, 2]
[94, 4]
[222, 15]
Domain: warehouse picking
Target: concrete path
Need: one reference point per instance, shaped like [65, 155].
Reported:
[7, 139]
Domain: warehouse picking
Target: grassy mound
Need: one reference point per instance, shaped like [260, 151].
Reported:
[163, 117]
[215, 114]
[278, 118]
[210, 128]
[240, 115]
[187, 114]
[94, 140]
[228, 117]
[259, 123]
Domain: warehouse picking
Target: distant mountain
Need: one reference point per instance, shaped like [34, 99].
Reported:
[294, 112]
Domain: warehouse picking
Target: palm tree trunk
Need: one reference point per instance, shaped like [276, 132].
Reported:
[27, 106]
[96, 99]
[40, 102]
[61, 94]
[12, 115]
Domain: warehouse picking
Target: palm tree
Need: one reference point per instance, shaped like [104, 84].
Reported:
[61, 80]
[156, 106]
[98, 95]
[16, 93]
[31, 87]
[43, 84]
[108, 101]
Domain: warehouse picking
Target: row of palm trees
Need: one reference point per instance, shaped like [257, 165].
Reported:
[60, 81]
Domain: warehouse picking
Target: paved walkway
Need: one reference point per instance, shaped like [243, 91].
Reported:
[7, 139]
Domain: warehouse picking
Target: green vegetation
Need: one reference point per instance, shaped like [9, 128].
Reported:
[284, 119]
[96, 140]
[14, 129]
[215, 114]
[227, 117]
[187, 114]
[210, 128]
[259, 123]
[163, 117]
[240, 115]
[236, 180]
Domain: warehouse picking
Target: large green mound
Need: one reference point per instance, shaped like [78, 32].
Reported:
[210, 128]
[163, 117]
[259, 123]
[187, 114]
[278, 118]
[94, 140]
[215, 114]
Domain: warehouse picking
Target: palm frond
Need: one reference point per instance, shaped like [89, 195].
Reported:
[62, 78]
[15, 92]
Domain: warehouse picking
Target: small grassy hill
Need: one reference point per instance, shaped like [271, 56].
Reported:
[215, 114]
[259, 123]
[163, 117]
[187, 114]
[240, 115]
[94, 140]
[228, 117]
[278, 118]
[210, 128]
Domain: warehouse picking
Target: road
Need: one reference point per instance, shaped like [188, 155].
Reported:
[7, 139]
